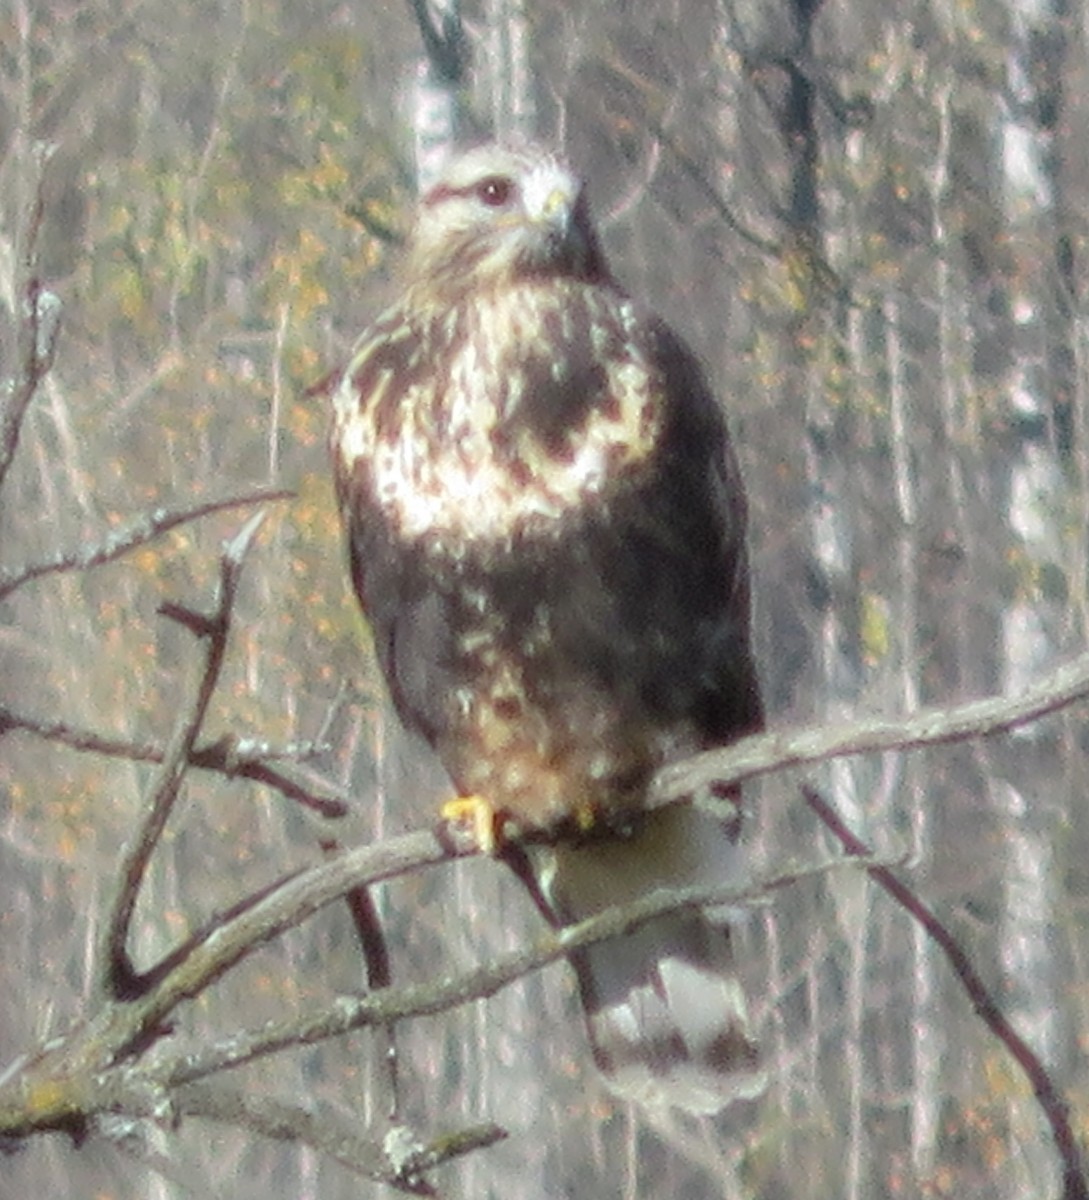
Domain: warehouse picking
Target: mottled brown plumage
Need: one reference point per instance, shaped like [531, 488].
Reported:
[546, 528]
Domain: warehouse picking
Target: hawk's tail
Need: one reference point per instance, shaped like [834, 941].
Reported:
[665, 1011]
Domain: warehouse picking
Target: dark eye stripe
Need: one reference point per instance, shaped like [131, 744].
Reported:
[440, 193]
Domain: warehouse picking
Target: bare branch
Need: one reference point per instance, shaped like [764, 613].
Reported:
[67, 1081]
[195, 965]
[315, 795]
[698, 176]
[77, 1075]
[373, 943]
[139, 532]
[389, 1005]
[215, 949]
[448, 1146]
[62, 1084]
[1055, 1109]
[771, 752]
[398, 1160]
[235, 758]
[115, 975]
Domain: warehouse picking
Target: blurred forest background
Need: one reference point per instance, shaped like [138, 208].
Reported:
[870, 220]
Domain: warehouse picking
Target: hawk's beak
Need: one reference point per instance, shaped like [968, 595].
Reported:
[556, 209]
[553, 218]
[549, 200]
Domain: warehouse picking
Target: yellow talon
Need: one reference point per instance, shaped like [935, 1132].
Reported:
[475, 814]
[585, 817]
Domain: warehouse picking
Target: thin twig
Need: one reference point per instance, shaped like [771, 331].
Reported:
[399, 1159]
[226, 756]
[288, 1122]
[1055, 1109]
[448, 1146]
[698, 176]
[114, 974]
[139, 532]
[372, 941]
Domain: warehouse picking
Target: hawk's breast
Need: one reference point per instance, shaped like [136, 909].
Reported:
[535, 402]
[518, 542]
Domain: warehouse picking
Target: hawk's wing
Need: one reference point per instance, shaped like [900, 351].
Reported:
[665, 1011]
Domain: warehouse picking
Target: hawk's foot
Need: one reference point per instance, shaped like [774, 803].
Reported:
[476, 816]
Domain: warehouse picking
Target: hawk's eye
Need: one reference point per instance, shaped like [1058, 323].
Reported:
[495, 191]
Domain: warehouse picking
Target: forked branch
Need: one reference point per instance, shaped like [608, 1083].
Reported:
[115, 976]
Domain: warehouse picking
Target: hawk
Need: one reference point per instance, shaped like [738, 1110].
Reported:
[546, 530]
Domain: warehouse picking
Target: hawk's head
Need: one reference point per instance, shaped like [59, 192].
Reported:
[502, 213]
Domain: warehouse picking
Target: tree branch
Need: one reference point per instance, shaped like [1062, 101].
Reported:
[132, 1109]
[1054, 1107]
[233, 757]
[698, 176]
[408, 1001]
[114, 974]
[143, 529]
[398, 1160]
[68, 1080]
[75, 1076]
[767, 753]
